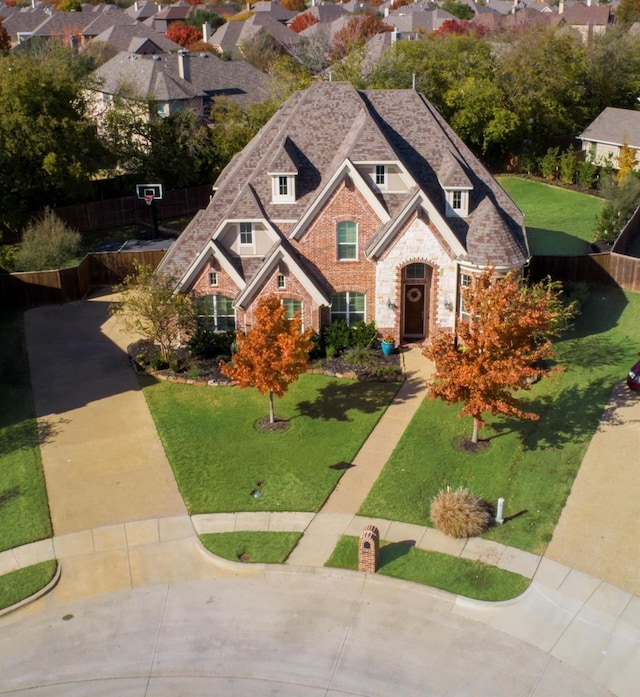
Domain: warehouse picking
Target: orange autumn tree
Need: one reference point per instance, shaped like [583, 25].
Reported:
[271, 355]
[502, 347]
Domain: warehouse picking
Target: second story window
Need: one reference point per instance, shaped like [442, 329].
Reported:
[281, 281]
[246, 233]
[347, 240]
[465, 282]
[213, 278]
[381, 176]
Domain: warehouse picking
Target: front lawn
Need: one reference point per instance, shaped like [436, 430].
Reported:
[23, 583]
[559, 222]
[24, 510]
[256, 546]
[223, 463]
[531, 464]
[467, 577]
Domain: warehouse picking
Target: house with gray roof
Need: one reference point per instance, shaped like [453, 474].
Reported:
[603, 139]
[172, 82]
[229, 37]
[349, 205]
[136, 38]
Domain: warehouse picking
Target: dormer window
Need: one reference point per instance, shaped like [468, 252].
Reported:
[283, 171]
[457, 203]
[381, 176]
[284, 188]
[246, 234]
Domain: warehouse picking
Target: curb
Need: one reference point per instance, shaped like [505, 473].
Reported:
[37, 595]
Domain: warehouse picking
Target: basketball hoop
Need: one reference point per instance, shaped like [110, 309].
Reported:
[148, 199]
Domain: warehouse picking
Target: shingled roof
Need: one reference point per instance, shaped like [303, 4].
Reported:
[331, 125]
[614, 127]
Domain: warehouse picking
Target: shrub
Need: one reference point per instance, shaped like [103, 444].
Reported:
[362, 334]
[460, 514]
[568, 165]
[207, 343]
[549, 162]
[587, 173]
[359, 356]
[47, 243]
[336, 336]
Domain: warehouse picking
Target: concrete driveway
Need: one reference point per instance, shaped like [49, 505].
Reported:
[102, 458]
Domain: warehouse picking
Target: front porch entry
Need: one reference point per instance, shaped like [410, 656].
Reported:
[416, 290]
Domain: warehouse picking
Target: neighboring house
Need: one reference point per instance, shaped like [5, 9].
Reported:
[587, 20]
[177, 12]
[410, 23]
[137, 38]
[170, 83]
[349, 205]
[604, 137]
[229, 37]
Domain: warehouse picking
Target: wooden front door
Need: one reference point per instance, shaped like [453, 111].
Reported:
[414, 305]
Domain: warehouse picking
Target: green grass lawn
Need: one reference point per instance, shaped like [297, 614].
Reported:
[23, 583]
[453, 574]
[559, 222]
[24, 510]
[220, 459]
[257, 547]
[531, 464]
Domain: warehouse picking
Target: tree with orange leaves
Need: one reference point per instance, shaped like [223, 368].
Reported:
[502, 347]
[303, 21]
[356, 32]
[271, 355]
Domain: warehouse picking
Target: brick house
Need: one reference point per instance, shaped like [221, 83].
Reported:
[349, 205]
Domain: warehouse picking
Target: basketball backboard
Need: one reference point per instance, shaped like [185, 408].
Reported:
[144, 191]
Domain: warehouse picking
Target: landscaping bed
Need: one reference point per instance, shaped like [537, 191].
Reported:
[190, 369]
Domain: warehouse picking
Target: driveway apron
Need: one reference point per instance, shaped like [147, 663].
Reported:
[102, 457]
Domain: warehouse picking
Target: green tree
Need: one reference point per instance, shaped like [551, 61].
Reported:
[612, 70]
[5, 39]
[150, 307]
[542, 74]
[627, 12]
[47, 243]
[622, 200]
[458, 9]
[48, 145]
[199, 16]
[501, 349]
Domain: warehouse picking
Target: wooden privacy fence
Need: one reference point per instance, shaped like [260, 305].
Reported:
[130, 210]
[32, 289]
[606, 268]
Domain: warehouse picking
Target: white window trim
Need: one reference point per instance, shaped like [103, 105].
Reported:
[338, 244]
[283, 278]
[244, 246]
[461, 212]
[465, 282]
[290, 196]
[384, 170]
[347, 293]
[213, 279]
[282, 301]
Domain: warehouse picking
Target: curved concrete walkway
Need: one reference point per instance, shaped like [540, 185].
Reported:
[114, 545]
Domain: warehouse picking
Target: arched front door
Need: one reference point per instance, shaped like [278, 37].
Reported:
[416, 284]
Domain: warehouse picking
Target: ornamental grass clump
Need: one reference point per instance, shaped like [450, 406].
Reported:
[460, 514]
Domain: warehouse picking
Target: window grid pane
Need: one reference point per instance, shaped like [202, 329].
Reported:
[381, 175]
[348, 306]
[246, 233]
[457, 200]
[347, 240]
[283, 186]
[415, 272]
[216, 310]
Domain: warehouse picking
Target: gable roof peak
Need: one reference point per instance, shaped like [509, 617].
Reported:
[451, 172]
[283, 160]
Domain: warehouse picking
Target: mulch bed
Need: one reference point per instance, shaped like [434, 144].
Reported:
[144, 357]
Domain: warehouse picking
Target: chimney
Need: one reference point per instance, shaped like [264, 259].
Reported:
[561, 7]
[206, 32]
[184, 65]
[33, 4]
[136, 7]
[386, 11]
